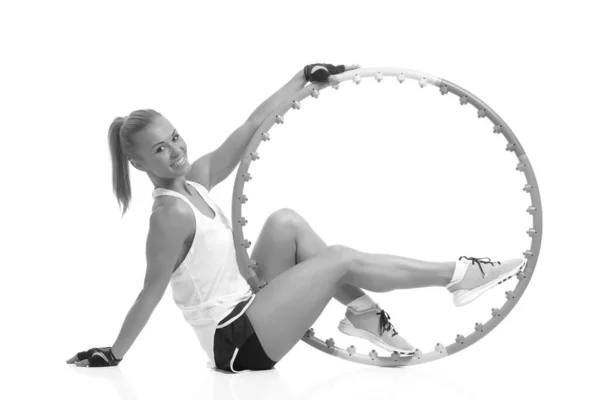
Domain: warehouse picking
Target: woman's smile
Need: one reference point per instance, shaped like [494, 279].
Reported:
[179, 162]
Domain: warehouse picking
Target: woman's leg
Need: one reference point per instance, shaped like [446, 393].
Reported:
[287, 239]
[290, 304]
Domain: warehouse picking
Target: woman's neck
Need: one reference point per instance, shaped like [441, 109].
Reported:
[178, 185]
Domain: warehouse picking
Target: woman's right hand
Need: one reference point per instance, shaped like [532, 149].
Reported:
[323, 72]
[95, 357]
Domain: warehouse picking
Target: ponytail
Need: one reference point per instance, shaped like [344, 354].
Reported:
[120, 165]
[122, 149]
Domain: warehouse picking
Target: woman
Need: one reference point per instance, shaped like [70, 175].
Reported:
[190, 246]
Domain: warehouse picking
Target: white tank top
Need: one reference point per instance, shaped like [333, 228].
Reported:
[207, 285]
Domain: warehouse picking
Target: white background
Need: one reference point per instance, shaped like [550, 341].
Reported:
[380, 167]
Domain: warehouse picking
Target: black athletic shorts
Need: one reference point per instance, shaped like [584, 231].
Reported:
[236, 346]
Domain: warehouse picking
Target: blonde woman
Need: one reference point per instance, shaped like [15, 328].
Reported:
[190, 246]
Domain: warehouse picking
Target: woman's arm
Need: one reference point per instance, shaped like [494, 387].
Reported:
[226, 157]
[261, 112]
[221, 162]
[169, 227]
[136, 319]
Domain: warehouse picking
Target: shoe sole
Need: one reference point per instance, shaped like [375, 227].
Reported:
[360, 333]
[464, 297]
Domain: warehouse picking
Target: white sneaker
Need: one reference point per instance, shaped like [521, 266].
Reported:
[373, 325]
[475, 276]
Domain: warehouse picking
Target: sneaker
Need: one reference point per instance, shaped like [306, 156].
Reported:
[373, 325]
[475, 276]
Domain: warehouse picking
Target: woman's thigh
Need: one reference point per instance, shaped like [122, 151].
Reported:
[290, 304]
[275, 247]
[285, 239]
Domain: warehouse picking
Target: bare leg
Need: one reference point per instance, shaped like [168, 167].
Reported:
[291, 303]
[283, 310]
[287, 239]
[401, 272]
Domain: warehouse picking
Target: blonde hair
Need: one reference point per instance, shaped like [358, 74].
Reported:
[122, 149]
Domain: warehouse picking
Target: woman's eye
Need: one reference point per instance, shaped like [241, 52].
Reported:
[175, 137]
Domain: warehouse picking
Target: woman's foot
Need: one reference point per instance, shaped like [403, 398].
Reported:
[321, 72]
[475, 276]
[373, 325]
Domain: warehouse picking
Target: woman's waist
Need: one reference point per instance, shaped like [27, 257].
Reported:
[209, 308]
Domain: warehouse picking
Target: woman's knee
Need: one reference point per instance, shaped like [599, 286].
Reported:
[344, 255]
[285, 218]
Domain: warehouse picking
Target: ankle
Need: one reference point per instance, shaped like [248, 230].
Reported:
[362, 303]
[459, 269]
[447, 273]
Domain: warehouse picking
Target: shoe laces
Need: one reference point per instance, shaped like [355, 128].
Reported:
[479, 261]
[384, 323]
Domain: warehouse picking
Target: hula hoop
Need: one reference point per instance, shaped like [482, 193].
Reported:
[483, 111]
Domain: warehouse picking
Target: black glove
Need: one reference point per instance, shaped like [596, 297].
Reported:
[99, 357]
[321, 72]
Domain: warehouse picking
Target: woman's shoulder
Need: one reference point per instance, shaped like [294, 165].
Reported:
[171, 204]
[169, 209]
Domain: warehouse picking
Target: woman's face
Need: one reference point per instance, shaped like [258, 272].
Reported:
[163, 151]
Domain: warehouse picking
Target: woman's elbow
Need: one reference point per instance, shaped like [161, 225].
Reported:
[151, 295]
